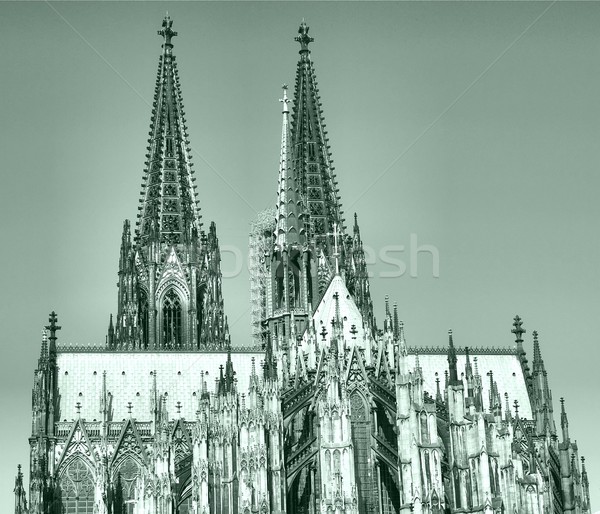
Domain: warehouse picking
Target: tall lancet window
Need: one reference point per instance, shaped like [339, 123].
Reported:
[143, 314]
[172, 320]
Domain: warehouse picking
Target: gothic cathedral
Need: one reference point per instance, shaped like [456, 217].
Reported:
[326, 411]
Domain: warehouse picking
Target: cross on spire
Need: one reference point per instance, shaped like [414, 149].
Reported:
[324, 332]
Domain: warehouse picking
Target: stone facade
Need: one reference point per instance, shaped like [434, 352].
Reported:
[327, 412]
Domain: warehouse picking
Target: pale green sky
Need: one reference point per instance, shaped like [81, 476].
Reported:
[503, 181]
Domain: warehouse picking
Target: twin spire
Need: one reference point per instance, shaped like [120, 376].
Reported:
[308, 151]
[169, 212]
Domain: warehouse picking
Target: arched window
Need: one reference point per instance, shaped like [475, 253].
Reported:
[126, 480]
[77, 489]
[143, 315]
[279, 286]
[172, 320]
[424, 428]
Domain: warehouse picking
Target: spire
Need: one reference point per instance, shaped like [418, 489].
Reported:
[169, 210]
[538, 363]
[229, 373]
[20, 496]
[289, 227]
[396, 325]
[312, 163]
[453, 376]
[44, 349]
[468, 368]
[564, 421]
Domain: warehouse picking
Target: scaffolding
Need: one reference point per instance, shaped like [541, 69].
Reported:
[260, 246]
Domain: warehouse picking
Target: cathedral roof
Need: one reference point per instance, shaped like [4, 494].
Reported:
[508, 374]
[129, 379]
[168, 210]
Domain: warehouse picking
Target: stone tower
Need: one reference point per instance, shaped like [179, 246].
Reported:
[328, 413]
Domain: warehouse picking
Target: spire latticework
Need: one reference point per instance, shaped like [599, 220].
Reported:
[169, 210]
[312, 161]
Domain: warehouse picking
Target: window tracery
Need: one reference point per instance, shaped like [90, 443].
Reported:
[172, 320]
[77, 489]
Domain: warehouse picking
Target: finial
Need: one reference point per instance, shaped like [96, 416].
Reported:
[438, 394]
[178, 407]
[516, 404]
[53, 327]
[129, 408]
[78, 407]
[303, 38]
[507, 408]
[285, 100]
[518, 330]
[167, 32]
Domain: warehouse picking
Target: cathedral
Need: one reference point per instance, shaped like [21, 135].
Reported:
[328, 409]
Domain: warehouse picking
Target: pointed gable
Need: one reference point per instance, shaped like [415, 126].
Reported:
[129, 442]
[78, 443]
[353, 330]
[181, 441]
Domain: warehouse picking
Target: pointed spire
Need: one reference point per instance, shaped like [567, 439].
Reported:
[468, 368]
[312, 163]
[20, 495]
[229, 372]
[169, 210]
[564, 421]
[538, 363]
[44, 348]
[396, 326]
[453, 373]
[289, 227]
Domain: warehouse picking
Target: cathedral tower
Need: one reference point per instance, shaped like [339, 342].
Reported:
[169, 269]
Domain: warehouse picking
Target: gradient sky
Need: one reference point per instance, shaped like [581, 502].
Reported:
[470, 125]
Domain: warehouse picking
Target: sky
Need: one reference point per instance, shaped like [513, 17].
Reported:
[464, 134]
